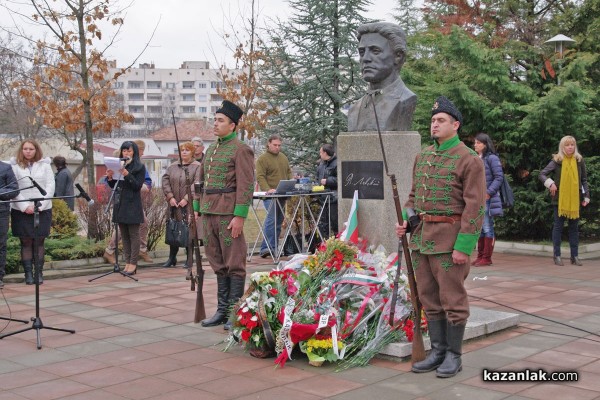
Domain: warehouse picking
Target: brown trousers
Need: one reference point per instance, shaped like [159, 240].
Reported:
[130, 235]
[441, 287]
[226, 255]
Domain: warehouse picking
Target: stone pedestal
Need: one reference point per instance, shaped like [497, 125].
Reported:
[377, 218]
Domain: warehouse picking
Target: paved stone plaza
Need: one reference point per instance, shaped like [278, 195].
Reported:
[135, 340]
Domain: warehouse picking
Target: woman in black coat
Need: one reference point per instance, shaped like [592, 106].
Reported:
[128, 211]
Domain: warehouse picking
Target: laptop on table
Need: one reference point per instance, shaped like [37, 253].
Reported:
[285, 186]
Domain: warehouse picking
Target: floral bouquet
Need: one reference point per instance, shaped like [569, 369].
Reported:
[255, 316]
[321, 350]
[334, 304]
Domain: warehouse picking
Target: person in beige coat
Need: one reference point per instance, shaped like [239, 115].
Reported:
[176, 193]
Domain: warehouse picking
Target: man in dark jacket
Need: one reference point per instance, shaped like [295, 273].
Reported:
[8, 190]
[327, 176]
[63, 181]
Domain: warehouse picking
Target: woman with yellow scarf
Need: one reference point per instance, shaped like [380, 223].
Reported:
[568, 170]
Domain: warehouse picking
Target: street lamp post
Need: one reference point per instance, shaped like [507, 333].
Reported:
[559, 42]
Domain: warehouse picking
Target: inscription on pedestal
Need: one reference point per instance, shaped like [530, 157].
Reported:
[364, 176]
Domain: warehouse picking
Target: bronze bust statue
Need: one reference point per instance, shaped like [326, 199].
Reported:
[382, 51]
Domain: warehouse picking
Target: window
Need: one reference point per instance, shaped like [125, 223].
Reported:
[216, 97]
[154, 96]
[138, 121]
[187, 109]
[202, 85]
[214, 109]
[135, 96]
[135, 85]
[187, 97]
[172, 97]
[170, 85]
[154, 121]
[188, 84]
[202, 110]
[153, 84]
[136, 109]
[155, 109]
[202, 97]
[119, 85]
[215, 85]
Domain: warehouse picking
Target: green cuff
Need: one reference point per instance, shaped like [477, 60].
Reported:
[465, 242]
[404, 215]
[196, 205]
[241, 210]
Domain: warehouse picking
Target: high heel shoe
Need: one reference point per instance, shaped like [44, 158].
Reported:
[576, 261]
[558, 261]
[132, 271]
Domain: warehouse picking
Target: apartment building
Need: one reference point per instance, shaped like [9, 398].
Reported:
[150, 93]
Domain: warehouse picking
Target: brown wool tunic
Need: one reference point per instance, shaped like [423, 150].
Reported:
[228, 165]
[448, 180]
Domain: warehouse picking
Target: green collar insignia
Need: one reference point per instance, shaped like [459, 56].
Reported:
[227, 138]
[448, 144]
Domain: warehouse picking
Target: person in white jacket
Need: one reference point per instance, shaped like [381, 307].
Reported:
[29, 166]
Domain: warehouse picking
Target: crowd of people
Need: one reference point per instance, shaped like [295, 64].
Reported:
[443, 238]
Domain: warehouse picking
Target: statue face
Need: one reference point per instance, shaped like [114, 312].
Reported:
[377, 58]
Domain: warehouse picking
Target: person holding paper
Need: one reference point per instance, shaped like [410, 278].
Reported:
[128, 212]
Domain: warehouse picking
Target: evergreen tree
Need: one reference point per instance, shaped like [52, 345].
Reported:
[311, 74]
[511, 91]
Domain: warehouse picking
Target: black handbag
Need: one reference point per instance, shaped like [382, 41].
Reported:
[178, 232]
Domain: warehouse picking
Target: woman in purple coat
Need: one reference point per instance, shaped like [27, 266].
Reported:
[493, 205]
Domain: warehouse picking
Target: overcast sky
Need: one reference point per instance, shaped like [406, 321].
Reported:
[187, 29]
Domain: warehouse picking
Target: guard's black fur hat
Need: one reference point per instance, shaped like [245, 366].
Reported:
[442, 104]
[231, 110]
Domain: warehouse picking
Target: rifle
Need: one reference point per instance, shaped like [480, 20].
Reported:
[194, 249]
[418, 347]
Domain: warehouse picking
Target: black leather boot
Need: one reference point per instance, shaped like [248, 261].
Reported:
[220, 317]
[452, 364]
[437, 336]
[28, 268]
[172, 260]
[236, 291]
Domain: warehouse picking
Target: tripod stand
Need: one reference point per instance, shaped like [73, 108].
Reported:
[114, 199]
[37, 323]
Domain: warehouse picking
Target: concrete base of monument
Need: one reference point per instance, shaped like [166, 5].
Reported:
[482, 322]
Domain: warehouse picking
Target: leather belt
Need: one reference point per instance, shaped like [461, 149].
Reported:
[448, 219]
[219, 191]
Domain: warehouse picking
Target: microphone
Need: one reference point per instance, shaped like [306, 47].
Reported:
[124, 159]
[83, 194]
[38, 187]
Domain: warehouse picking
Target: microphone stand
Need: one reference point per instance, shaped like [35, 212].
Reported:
[116, 267]
[37, 323]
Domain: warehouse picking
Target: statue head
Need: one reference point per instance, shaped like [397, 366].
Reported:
[382, 51]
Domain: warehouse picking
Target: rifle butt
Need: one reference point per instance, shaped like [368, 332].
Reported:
[418, 347]
[200, 312]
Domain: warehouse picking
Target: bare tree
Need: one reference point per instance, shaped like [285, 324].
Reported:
[70, 88]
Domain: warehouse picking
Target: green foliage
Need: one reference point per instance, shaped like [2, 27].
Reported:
[311, 74]
[500, 90]
[64, 221]
[72, 248]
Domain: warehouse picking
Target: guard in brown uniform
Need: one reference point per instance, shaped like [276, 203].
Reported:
[228, 176]
[445, 213]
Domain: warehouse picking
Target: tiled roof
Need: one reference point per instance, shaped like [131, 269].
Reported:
[186, 130]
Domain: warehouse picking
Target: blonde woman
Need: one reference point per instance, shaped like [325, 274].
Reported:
[569, 189]
[30, 163]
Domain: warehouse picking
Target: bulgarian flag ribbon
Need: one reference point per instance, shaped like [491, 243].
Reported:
[350, 234]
